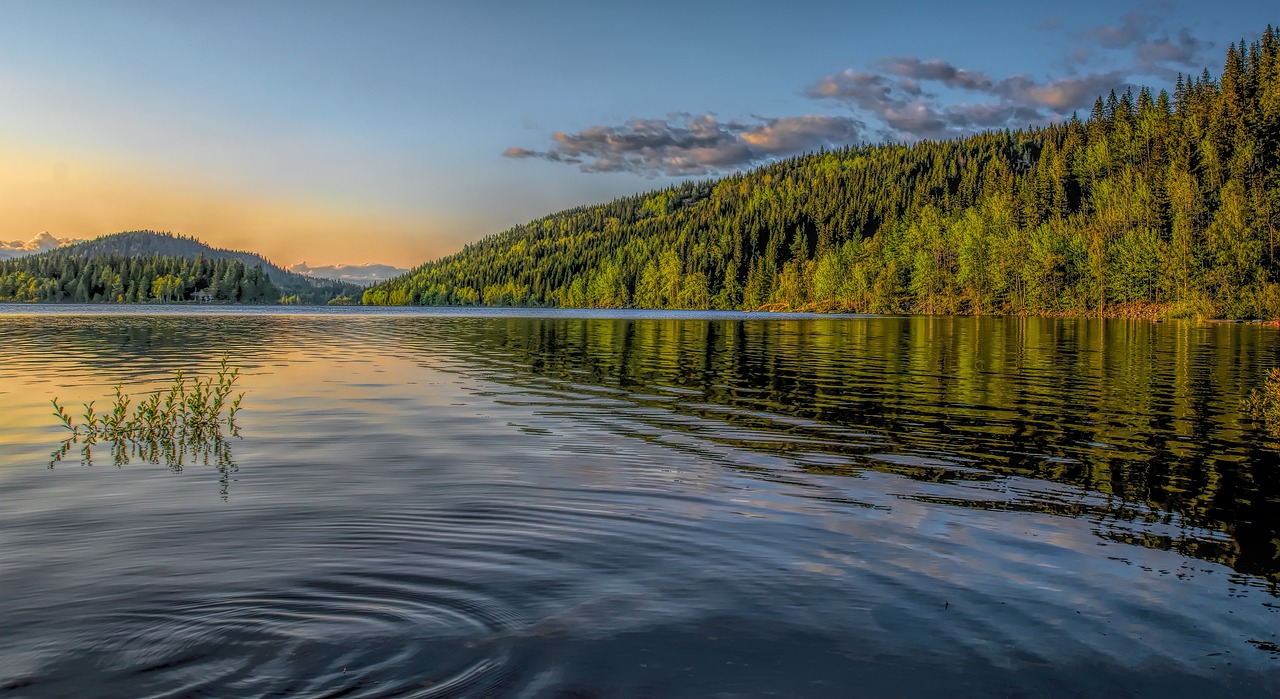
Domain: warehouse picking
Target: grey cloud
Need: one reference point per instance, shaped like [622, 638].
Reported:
[897, 100]
[1181, 50]
[1130, 32]
[969, 117]
[1060, 96]
[938, 71]
[869, 91]
[693, 144]
[1154, 48]
[915, 120]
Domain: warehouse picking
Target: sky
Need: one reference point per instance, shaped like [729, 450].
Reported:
[393, 132]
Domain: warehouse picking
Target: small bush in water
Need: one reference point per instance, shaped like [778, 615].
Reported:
[1264, 402]
[190, 409]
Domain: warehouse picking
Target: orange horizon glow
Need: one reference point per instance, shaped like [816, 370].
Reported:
[79, 197]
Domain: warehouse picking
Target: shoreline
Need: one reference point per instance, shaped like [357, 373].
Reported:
[1153, 313]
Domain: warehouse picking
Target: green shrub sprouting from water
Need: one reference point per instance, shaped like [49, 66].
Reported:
[181, 423]
[1264, 403]
[190, 409]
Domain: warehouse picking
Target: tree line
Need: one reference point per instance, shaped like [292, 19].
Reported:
[122, 278]
[1164, 199]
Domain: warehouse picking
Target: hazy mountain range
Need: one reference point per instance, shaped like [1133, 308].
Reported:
[363, 275]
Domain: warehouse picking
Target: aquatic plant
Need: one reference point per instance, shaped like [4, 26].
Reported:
[191, 408]
[182, 423]
[1264, 403]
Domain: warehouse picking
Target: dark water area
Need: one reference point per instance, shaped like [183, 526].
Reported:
[549, 504]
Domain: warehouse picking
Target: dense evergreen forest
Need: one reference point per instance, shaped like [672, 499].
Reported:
[120, 278]
[151, 267]
[1157, 200]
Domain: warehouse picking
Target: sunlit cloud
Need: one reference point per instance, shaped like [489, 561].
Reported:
[42, 242]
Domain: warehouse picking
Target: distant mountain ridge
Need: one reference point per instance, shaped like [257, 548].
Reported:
[307, 289]
[363, 275]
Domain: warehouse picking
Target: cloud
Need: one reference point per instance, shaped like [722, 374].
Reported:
[1181, 50]
[938, 71]
[42, 242]
[898, 100]
[1131, 30]
[907, 98]
[1154, 48]
[686, 144]
[363, 275]
[870, 91]
[1060, 96]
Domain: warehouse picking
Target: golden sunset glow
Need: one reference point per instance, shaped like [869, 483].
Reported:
[79, 197]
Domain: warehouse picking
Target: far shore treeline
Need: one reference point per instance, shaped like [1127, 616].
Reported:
[152, 267]
[120, 278]
[1159, 202]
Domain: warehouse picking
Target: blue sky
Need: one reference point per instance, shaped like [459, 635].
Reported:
[343, 132]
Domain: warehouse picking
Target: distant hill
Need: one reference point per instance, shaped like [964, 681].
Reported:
[1157, 201]
[150, 267]
[306, 289]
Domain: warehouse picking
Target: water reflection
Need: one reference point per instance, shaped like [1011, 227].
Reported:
[174, 453]
[1146, 419]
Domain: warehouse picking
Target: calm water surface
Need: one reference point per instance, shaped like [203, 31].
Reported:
[579, 505]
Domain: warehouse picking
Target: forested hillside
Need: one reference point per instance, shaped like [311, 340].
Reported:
[1166, 198]
[121, 278]
[123, 268]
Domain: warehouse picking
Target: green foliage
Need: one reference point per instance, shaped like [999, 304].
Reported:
[1158, 200]
[190, 408]
[1264, 403]
[181, 423]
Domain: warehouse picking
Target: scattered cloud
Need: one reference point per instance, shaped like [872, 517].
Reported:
[363, 275]
[899, 100]
[902, 98]
[42, 242]
[688, 144]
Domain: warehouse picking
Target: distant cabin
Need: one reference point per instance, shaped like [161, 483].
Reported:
[203, 296]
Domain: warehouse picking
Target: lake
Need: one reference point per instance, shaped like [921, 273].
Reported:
[621, 504]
